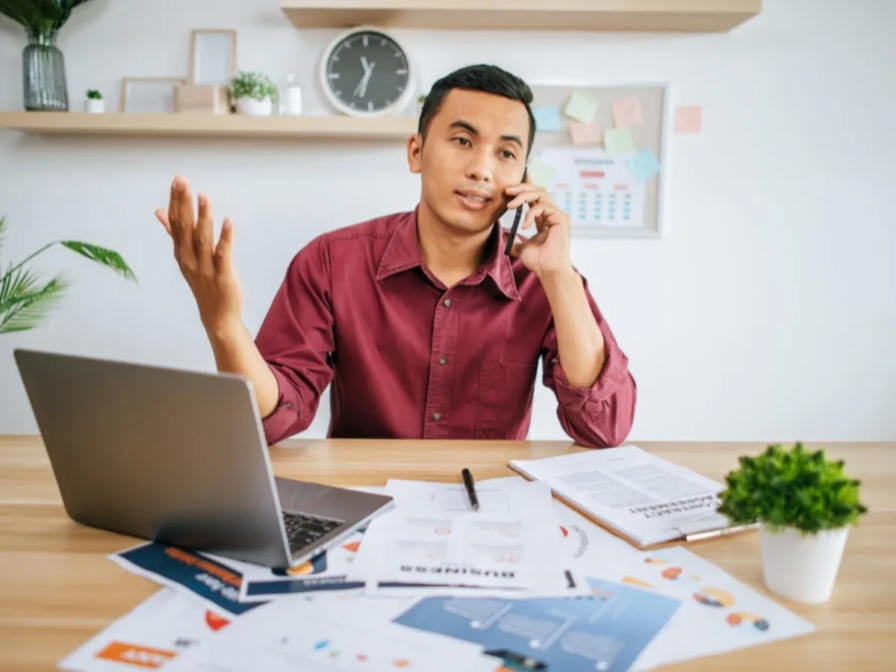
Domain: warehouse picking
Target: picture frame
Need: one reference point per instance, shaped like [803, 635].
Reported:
[593, 210]
[212, 57]
[149, 95]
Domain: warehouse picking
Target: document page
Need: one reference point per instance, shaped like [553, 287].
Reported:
[299, 635]
[646, 498]
[434, 537]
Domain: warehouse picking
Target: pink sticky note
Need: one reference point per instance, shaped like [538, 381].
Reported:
[627, 112]
[585, 134]
[688, 119]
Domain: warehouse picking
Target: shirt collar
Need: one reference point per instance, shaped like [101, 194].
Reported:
[403, 253]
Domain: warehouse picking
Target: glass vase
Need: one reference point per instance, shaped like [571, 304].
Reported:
[43, 74]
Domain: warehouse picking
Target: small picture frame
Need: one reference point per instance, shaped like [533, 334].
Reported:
[149, 95]
[212, 57]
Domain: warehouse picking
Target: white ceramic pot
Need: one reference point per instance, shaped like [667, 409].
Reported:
[802, 568]
[254, 107]
[94, 106]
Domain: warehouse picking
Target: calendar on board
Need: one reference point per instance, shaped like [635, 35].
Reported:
[595, 189]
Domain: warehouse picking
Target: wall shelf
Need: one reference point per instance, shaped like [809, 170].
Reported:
[631, 15]
[208, 125]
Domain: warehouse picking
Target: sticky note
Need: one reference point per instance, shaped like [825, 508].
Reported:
[643, 165]
[688, 119]
[619, 141]
[585, 134]
[541, 172]
[581, 107]
[547, 118]
[627, 112]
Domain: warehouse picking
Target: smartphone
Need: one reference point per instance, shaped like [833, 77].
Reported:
[516, 221]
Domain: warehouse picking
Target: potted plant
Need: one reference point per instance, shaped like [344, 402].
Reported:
[25, 301]
[253, 92]
[43, 65]
[94, 102]
[805, 505]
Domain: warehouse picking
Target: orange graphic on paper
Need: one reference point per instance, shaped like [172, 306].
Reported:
[138, 656]
[214, 621]
[352, 547]
[636, 582]
[401, 663]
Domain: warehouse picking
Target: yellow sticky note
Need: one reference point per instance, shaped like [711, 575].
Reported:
[627, 112]
[619, 141]
[541, 172]
[581, 107]
[585, 134]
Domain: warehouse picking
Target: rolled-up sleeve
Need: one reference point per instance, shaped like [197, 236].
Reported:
[296, 340]
[599, 416]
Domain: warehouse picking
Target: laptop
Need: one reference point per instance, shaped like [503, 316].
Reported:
[179, 457]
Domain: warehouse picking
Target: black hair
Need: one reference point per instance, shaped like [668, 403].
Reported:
[481, 77]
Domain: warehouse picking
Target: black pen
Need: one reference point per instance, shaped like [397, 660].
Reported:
[471, 489]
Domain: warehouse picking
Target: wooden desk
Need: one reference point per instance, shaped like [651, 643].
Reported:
[57, 588]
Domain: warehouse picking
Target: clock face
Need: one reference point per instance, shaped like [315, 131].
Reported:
[367, 72]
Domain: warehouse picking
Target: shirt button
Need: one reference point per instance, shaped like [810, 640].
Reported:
[447, 303]
[436, 416]
[442, 360]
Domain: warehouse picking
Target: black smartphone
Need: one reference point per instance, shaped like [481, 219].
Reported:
[516, 221]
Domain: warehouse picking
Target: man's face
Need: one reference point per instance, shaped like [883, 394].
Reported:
[475, 148]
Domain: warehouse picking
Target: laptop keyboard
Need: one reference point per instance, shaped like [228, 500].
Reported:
[303, 529]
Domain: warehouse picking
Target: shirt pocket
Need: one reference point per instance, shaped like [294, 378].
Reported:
[504, 399]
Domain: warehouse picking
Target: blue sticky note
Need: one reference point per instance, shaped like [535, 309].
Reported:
[547, 118]
[643, 165]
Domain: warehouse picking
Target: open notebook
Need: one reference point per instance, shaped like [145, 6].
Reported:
[644, 498]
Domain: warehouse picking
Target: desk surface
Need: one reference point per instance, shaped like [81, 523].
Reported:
[57, 588]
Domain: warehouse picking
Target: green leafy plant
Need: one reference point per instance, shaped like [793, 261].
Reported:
[25, 301]
[93, 94]
[252, 85]
[791, 488]
[39, 15]
[421, 98]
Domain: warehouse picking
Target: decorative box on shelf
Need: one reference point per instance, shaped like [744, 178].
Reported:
[191, 98]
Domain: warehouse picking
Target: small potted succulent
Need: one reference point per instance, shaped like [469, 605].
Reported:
[94, 102]
[805, 505]
[253, 93]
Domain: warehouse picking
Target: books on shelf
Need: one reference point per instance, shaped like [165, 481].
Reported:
[643, 498]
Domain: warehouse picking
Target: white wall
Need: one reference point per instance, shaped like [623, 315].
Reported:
[766, 313]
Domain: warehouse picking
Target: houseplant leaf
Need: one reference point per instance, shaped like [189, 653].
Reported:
[101, 255]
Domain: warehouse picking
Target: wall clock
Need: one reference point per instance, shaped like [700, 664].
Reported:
[365, 72]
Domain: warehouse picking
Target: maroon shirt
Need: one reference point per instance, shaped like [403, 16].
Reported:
[408, 358]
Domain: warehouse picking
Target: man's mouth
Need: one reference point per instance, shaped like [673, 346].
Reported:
[472, 199]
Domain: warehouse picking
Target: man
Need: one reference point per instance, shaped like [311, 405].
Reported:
[419, 321]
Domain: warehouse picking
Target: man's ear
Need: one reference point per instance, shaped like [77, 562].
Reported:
[415, 151]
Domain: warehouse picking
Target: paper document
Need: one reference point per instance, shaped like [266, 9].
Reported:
[718, 613]
[645, 498]
[151, 635]
[603, 632]
[301, 636]
[433, 537]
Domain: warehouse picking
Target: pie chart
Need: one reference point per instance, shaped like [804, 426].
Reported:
[713, 597]
[743, 619]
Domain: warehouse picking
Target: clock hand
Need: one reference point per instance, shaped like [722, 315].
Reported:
[367, 78]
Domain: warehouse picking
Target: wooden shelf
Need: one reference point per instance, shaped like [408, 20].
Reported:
[208, 125]
[632, 15]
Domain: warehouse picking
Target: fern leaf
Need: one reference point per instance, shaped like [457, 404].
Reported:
[27, 310]
[14, 285]
[101, 255]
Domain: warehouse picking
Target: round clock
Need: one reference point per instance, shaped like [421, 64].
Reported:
[364, 72]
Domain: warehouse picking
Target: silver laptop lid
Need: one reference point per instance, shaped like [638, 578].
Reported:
[158, 453]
